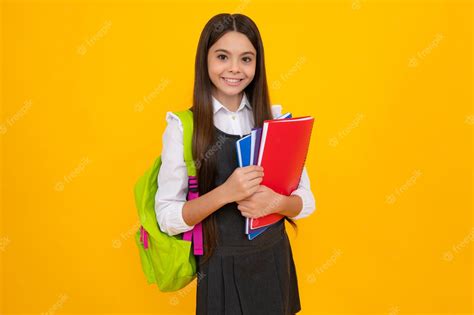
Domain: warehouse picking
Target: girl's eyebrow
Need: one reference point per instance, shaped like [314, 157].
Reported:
[227, 52]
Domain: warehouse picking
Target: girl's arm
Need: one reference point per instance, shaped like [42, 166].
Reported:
[196, 210]
[172, 180]
[242, 183]
[308, 203]
[291, 206]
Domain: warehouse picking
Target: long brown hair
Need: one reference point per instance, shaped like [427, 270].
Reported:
[203, 135]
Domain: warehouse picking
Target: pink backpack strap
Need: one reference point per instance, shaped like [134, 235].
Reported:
[194, 235]
[198, 243]
[144, 237]
[188, 236]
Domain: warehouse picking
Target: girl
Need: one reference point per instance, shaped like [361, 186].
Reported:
[235, 275]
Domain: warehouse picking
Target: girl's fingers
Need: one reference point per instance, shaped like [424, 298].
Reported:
[255, 182]
[252, 168]
[243, 204]
[242, 208]
[254, 174]
[246, 214]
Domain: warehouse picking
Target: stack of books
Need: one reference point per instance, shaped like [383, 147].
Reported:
[280, 147]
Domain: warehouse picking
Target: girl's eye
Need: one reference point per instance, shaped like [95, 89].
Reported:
[222, 57]
[247, 59]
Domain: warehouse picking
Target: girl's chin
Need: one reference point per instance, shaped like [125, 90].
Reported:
[230, 92]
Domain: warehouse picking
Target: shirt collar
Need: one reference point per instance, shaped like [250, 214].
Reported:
[218, 105]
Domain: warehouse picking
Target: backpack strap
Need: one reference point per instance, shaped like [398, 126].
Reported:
[195, 234]
[186, 118]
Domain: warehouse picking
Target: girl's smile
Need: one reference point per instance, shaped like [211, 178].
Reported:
[231, 81]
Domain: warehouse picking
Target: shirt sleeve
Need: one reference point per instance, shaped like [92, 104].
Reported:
[172, 180]
[304, 186]
[304, 191]
[276, 110]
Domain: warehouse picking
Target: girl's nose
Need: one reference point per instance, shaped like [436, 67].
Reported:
[234, 67]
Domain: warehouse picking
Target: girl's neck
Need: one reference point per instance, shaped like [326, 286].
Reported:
[231, 102]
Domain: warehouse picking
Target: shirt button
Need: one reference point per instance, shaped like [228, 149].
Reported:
[233, 117]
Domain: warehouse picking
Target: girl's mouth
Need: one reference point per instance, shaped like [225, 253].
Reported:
[232, 82]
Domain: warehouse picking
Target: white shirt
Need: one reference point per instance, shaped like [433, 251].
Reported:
[173, 177]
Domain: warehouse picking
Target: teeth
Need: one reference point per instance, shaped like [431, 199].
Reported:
[232, 80]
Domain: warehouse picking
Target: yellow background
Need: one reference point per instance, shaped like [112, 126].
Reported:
[85, 89]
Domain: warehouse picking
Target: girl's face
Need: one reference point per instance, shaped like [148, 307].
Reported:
[231, 63]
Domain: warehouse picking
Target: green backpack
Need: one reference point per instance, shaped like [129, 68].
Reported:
[166, 260]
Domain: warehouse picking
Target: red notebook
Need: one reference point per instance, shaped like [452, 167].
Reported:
[283, 149]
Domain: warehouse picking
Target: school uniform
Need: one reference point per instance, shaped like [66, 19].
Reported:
[242, 277]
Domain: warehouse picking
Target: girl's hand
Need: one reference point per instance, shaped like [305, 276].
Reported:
[263, 202]
[243, 182]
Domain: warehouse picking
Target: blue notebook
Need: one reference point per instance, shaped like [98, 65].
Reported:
[243, 156]
[243, 150]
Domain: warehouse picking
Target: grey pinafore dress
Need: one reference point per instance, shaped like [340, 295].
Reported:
[244, 277]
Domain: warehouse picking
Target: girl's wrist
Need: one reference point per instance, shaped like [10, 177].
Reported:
[289, 206]
[277, 203]
[223, 195]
